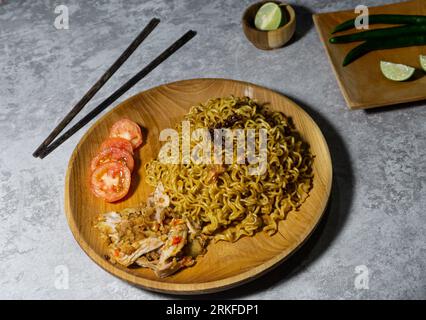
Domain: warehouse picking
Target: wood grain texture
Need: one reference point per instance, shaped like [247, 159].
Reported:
[225, 265]
[362, 83]
[269, 40]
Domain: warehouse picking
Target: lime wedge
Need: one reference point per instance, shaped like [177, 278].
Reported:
[268, 17]
[423, 62]
[396, 72]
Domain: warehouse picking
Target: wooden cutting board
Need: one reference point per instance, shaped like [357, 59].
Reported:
[362, 82]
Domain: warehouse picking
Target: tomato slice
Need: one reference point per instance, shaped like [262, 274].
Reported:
[110, 181]
[113, 155]
[129, 130]
[119, 143]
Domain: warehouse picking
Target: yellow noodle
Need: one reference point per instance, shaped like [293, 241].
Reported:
[238, 204]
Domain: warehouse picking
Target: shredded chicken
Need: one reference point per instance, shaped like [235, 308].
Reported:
[141, 247]
[159, 200]
[170, 259]
[151, 237]
[176, 240]
[193, 229]
[173, 266]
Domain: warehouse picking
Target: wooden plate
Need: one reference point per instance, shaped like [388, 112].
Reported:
[225, 265]
[362, 82]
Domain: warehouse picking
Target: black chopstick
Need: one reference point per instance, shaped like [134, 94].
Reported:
[98, 85]
[129, 84]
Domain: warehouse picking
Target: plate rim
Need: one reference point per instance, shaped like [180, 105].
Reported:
[201, 287]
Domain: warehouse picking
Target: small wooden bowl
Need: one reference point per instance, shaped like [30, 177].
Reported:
[268, 40]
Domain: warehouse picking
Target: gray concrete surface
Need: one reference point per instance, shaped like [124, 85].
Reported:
[377, 215]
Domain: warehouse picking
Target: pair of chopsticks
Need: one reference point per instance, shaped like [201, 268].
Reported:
[48, 145]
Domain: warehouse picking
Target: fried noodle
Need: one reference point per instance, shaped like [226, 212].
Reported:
[225, 201]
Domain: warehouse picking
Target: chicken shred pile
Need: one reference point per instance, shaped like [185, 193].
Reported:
[150, 236]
